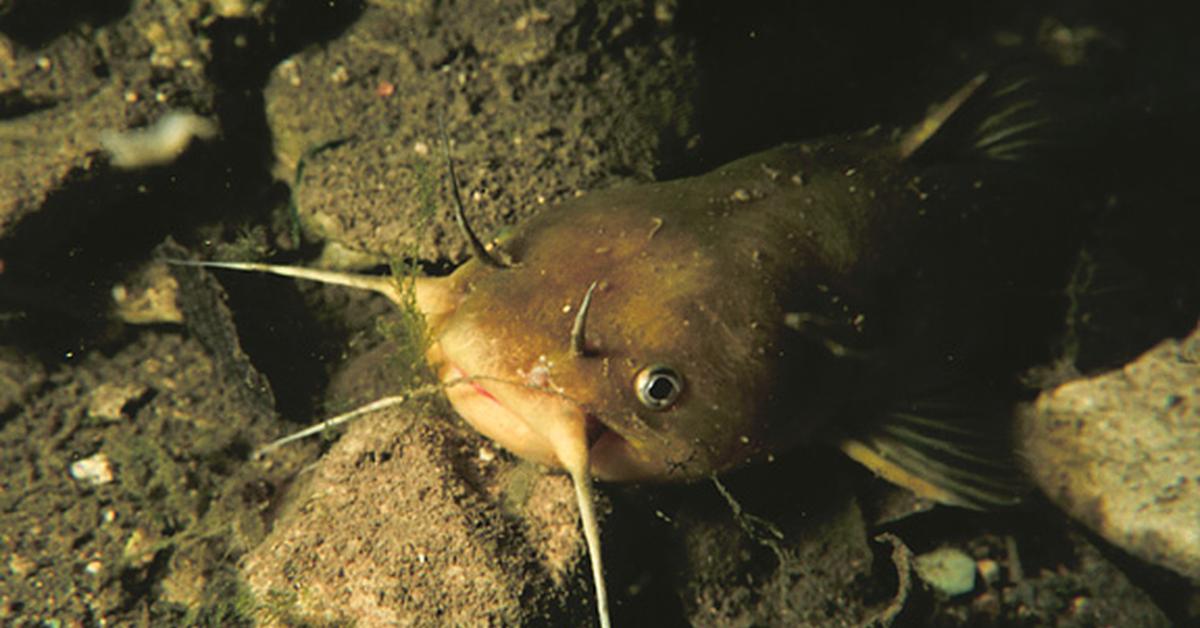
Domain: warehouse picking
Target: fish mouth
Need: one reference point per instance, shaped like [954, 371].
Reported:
[532, 422]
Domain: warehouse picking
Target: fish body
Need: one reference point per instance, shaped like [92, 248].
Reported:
[796, 294]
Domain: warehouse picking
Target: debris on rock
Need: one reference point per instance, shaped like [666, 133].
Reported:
[158, 144]
[109, 400]
[148, 297]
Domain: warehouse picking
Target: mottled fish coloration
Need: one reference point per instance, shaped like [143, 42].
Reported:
[726, 317]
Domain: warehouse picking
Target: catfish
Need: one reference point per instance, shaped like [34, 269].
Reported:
[849, 290]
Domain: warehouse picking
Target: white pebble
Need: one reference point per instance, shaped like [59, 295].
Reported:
[95, 470]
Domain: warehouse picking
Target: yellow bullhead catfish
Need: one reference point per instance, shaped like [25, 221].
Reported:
[672, 331]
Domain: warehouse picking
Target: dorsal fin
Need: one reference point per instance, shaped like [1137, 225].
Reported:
[996, 123]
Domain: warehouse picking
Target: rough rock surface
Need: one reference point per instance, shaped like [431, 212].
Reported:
[401, 523]
[1121, 453]
[518, 90]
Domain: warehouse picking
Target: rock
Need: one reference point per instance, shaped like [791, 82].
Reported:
[1120, 452]
[20, 566]
[403, 523]
[770, 555]
[357, 123]
[141, 548]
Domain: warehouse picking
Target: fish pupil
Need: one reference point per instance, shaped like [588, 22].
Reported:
[661, 388]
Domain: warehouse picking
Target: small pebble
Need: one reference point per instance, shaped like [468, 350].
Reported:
[989, 570]
[948, 570]
[95, 470]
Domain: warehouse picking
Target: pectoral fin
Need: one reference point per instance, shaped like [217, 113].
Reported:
[944, 453]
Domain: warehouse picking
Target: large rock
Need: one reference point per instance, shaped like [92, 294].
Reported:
[1121, 453]
[404, 522]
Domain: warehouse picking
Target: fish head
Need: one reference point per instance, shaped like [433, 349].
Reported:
[672, 379]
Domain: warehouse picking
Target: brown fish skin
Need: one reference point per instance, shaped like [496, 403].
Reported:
[698, 274]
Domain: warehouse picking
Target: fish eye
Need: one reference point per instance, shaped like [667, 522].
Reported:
[658, 386]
